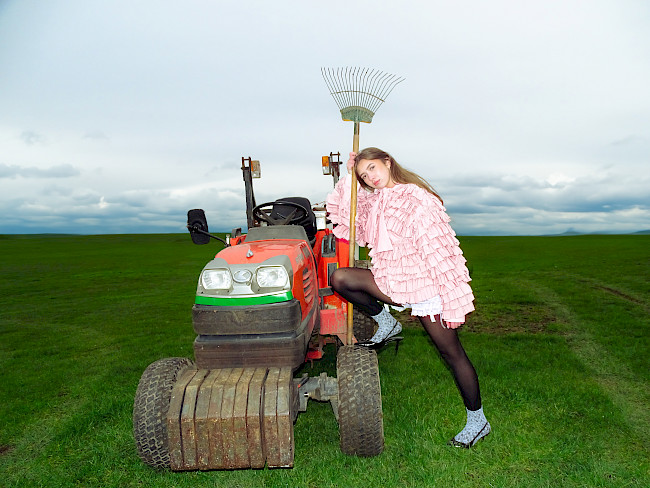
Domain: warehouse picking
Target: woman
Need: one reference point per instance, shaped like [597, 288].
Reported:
[416, 263]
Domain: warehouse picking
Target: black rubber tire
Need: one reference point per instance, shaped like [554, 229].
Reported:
[361, 422]
[362, 263]
[363, 325]
[150, 409]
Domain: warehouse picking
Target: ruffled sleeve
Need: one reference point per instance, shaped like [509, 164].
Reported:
[441, 253]
[338, 210]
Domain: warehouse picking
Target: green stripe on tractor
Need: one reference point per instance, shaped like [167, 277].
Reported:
[239, 301]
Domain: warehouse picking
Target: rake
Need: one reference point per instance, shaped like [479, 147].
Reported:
[358, 92]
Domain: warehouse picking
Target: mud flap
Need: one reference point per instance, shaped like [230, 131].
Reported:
[232, 418]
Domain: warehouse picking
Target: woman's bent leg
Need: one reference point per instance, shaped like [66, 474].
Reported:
[357, 285]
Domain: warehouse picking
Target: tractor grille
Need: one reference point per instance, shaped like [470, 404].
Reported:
[309, 284]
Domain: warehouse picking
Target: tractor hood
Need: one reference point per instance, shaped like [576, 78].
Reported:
[259, 270]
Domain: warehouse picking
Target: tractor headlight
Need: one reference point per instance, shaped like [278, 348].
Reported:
[272, 277]
[216, 279]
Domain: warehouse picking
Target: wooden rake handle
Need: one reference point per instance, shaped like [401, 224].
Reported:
[353, 230]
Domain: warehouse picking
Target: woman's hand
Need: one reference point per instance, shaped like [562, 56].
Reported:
[351, 161]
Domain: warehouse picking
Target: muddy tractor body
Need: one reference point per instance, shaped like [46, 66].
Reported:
[263, 306]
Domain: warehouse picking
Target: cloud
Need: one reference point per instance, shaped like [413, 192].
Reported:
[96, 136]
[30, 138]
[59, 171]
[85, 211]
[631, 140]
[494, 204]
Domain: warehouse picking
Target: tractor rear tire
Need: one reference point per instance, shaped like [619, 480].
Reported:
[150, 409]
[362, 263]
[361, 423]
[363, 326]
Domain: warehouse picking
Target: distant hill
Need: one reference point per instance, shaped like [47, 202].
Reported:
[569, 232]
[572, 232]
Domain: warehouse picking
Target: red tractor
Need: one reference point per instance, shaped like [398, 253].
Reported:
[263, 307]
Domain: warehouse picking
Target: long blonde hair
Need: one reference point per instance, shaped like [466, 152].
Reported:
[397, 172]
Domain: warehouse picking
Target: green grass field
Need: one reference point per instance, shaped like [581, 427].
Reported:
[560, 339]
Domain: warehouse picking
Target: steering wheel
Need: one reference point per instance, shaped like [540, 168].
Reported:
[261, 212]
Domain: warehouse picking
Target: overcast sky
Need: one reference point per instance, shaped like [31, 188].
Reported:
[528, 117]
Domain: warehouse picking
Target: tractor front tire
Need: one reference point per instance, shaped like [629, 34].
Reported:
[361, 423]
[150, 409]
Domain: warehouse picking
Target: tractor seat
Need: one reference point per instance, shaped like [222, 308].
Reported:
[308, 222]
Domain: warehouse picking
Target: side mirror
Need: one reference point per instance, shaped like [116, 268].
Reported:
[197, 224]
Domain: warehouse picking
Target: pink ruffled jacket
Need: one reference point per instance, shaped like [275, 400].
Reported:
[414, 251]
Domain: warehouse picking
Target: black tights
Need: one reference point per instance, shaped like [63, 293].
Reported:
[358, 286]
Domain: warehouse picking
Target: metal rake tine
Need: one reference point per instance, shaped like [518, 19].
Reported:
[351, 83]
[334, 87]
[362, 73]
[382, 82]
[391, 84]
[366, 94]
[343, 95]
[388, 84]
[352, 79]
[374, 84]
[325, 74]
[330, 79]
[346, 80]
